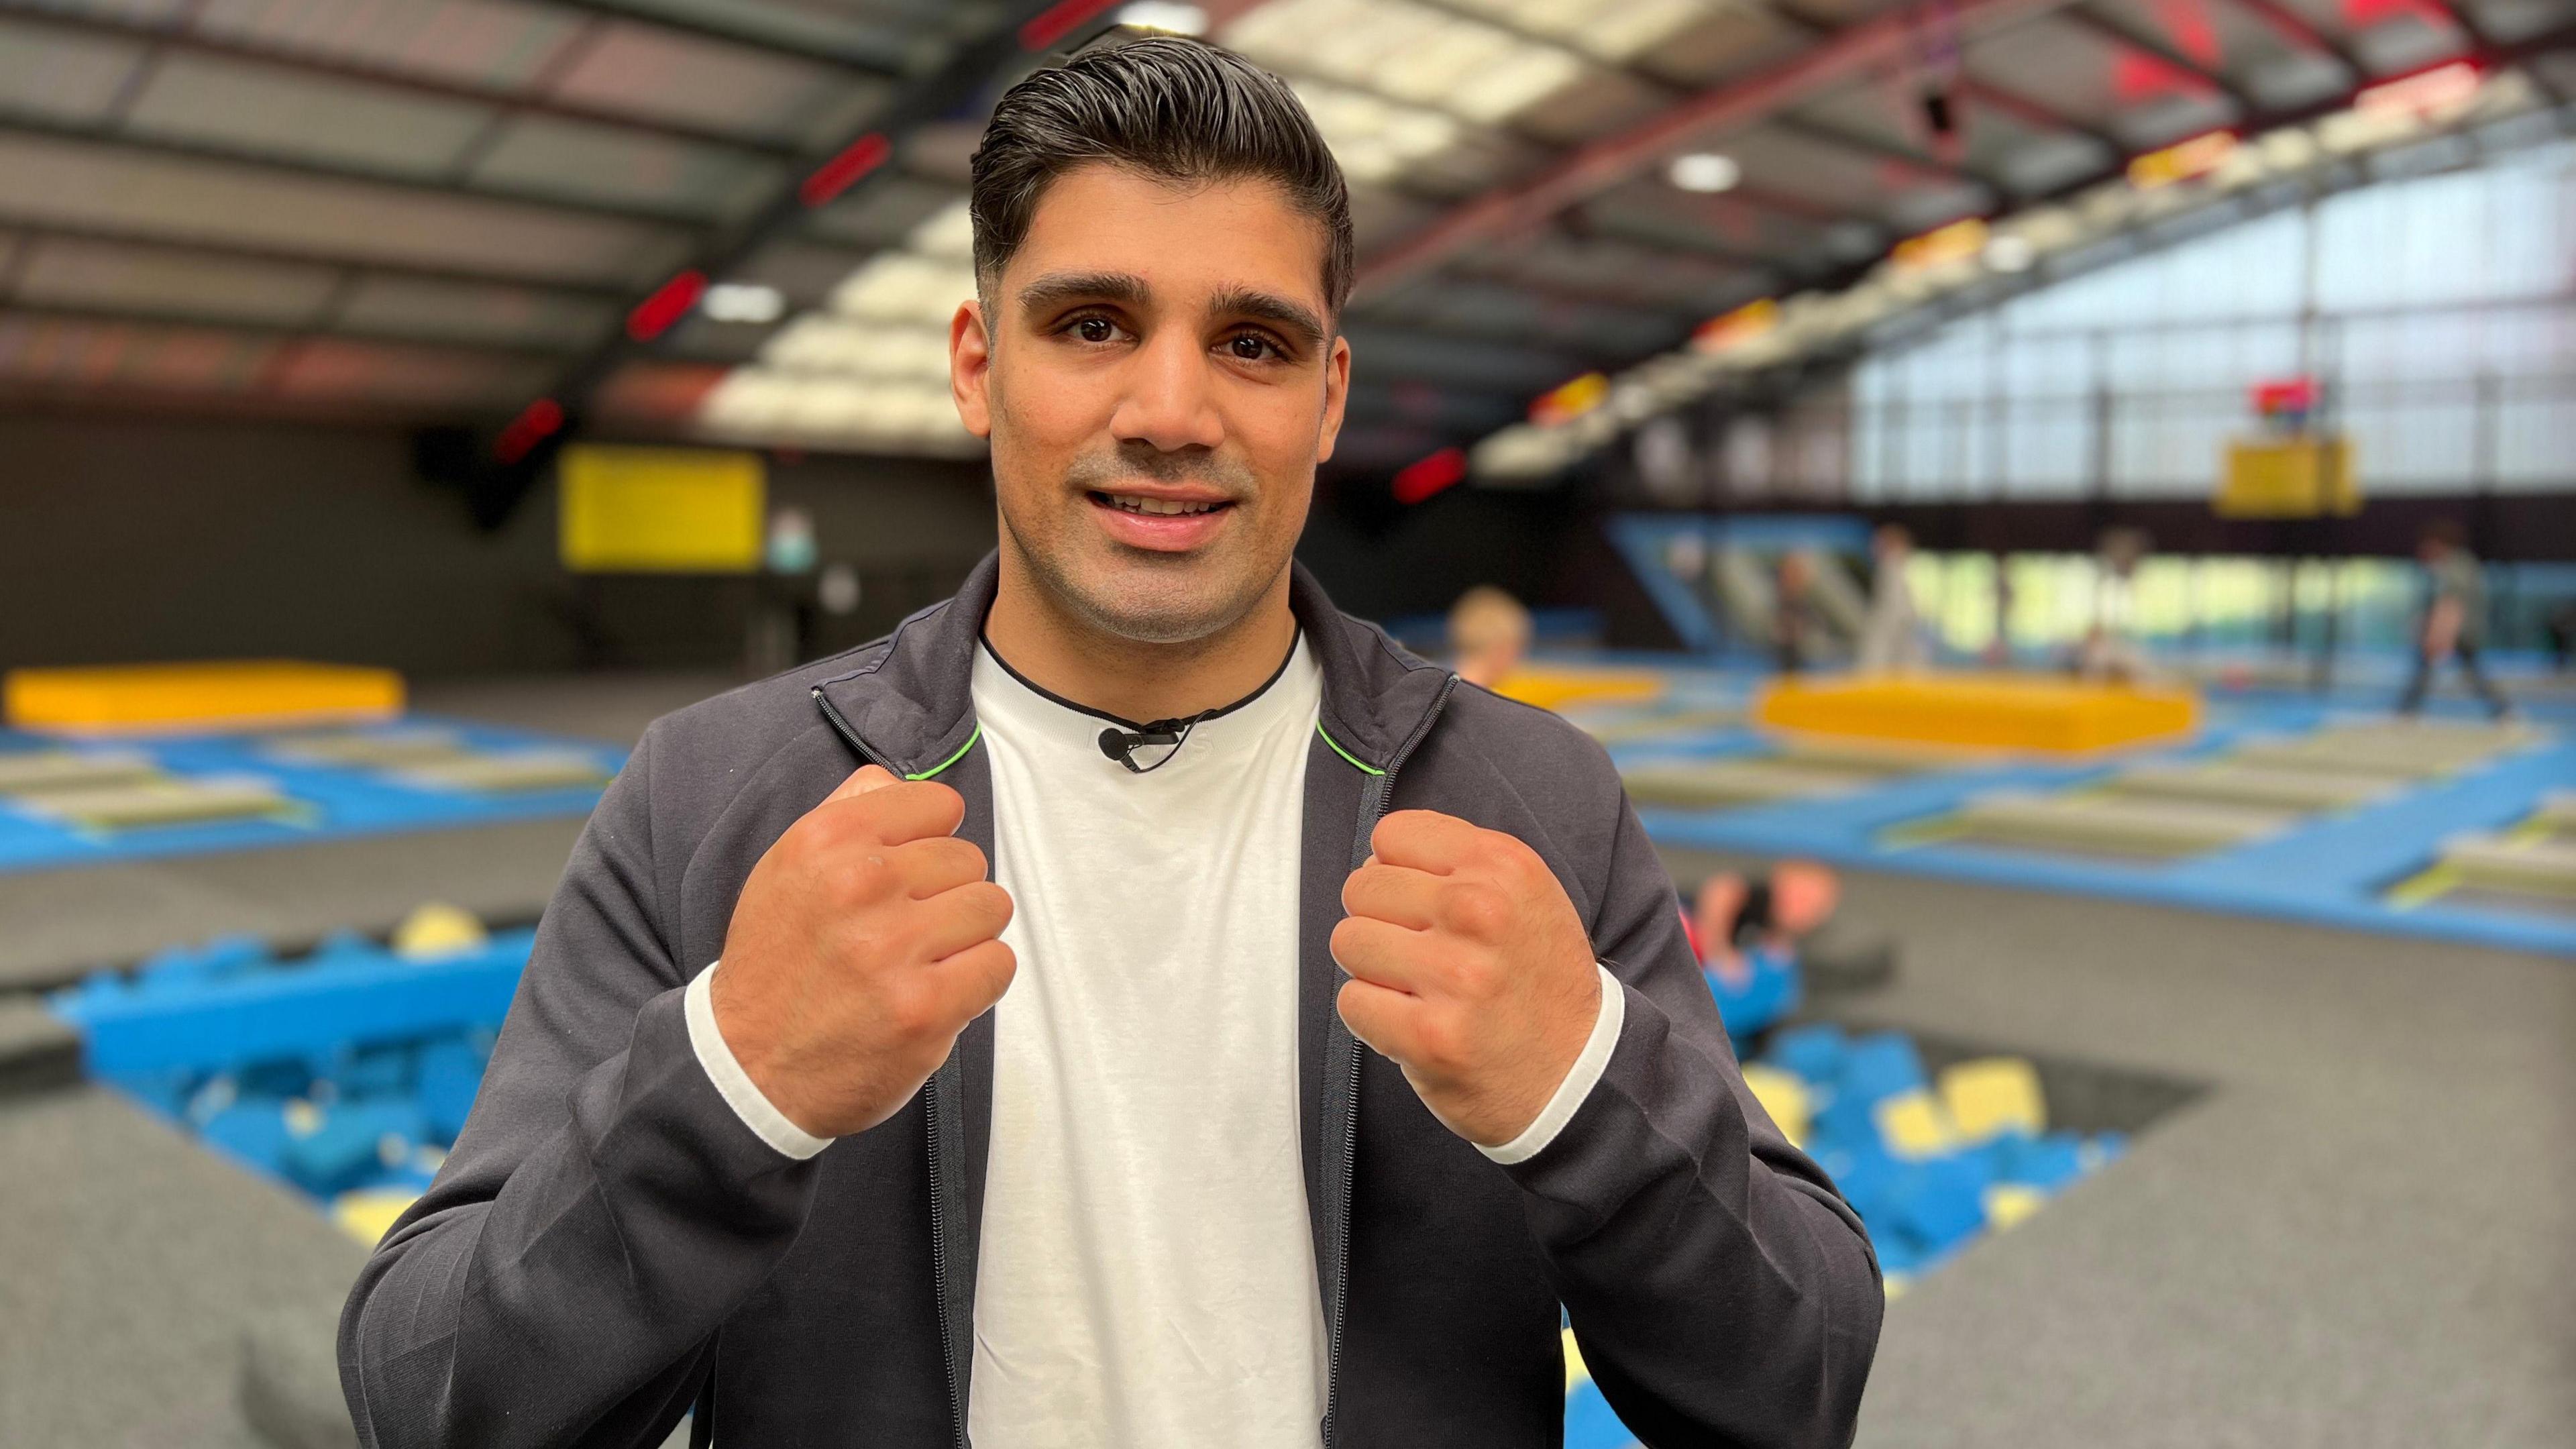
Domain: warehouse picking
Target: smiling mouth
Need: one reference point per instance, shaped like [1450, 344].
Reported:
[1161, 507]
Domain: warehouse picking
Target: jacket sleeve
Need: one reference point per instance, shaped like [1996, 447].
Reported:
[561, 1282]
[1720, 1290]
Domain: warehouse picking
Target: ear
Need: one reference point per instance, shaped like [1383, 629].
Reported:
[970, 367]
[1337, 391]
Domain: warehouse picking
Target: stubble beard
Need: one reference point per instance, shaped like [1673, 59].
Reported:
[1155, 598]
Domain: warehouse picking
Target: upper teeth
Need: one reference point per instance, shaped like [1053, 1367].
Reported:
[1158, 505]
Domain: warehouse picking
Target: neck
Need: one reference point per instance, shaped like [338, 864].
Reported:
[1066, 655]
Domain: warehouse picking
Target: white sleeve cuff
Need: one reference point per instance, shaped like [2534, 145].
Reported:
[733, 1083]
[1579, 1079]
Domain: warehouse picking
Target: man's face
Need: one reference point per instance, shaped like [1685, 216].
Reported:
[1158, 374]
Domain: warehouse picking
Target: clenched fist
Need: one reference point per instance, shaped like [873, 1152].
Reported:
[863, 942]
[1469, 969]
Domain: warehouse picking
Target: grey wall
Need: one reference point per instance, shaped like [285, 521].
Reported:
[131, 539]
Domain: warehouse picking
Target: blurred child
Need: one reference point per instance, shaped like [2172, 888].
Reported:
[1746, 933]
[2110, 652]
[1489, 632]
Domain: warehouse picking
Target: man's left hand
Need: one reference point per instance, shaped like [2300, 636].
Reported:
[1469, 969]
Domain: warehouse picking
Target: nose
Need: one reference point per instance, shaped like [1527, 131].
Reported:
[1168, 404]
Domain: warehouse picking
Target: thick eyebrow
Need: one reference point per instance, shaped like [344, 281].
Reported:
[1057, 288]
[1278, 311]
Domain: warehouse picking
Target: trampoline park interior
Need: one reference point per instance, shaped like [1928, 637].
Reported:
[402, 402]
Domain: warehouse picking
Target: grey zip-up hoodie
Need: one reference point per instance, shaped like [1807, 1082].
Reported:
[609, 1244]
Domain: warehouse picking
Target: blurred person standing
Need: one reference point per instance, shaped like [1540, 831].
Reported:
[1797, 624]
[2110, 653]
[2454, 621]
[1892, 641]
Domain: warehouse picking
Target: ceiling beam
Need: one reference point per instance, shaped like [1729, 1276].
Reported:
[1852, 53]
[602, 291]
[251, 156]
[2030, 112]
[2128, 38]
[275, 331]
[1824, 134]
[969, 68]
[2484, 45]
[170, 40]
[2300, 32]
[879, 66]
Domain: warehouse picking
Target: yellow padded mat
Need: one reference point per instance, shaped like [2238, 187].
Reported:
[1991, 711]
[218, 695]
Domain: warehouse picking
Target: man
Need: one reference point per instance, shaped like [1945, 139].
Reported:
[1346, 1023]
[2455, 616]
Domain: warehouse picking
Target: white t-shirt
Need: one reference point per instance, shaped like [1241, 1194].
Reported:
[1147, 1273]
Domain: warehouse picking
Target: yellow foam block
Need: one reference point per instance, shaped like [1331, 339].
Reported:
[368, 1214]
[435, 929]
[1914, 1126]
[2007, 1203]
[230, 695]
[1979, 711]
[1990, 1096]
[1575, 1372]
[1556, 687]
[1784, 1097]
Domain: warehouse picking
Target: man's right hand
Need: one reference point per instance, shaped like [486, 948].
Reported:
[863, 942]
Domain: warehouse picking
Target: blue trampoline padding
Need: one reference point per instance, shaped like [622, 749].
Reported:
[305, 1011]
[329, 801]
[2329, 871]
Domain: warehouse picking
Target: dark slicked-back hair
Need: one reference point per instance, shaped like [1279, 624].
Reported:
[1170, 107]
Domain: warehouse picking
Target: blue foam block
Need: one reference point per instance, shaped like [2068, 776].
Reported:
[1811, 1053]
[373, 1071]
[253, 1130]
[1939, 1202]
[2046, 1162]
[1879, 1066]
[350, 990]
[348, 1147]
[1862, 1171]
[451, 1072]
[1769, 991]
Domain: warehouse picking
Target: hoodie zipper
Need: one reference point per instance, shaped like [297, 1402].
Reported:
[930, 1135]
[1382, 791]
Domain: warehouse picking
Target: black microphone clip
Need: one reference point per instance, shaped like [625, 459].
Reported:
[1121, 745]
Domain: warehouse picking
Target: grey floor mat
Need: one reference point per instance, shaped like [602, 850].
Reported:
[137, 1263]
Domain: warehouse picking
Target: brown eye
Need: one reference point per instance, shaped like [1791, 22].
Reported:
[1093, 329]
[1250, 348]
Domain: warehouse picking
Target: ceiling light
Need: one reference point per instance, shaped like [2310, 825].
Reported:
[1704, 171]
[742, 302]
[1157, 15]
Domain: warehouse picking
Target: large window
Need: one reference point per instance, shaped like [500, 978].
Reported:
[2438, 314]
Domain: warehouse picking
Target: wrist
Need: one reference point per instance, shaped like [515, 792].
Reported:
[1573, 1085]
[745, 1082]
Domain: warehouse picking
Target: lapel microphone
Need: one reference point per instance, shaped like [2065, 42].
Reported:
[1122, 745]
